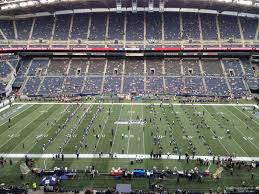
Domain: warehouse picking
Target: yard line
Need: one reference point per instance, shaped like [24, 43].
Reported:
[213, 132]
[20, 130]
[243, 133]
[17, 115]
[39, 127]
[117, 125]
[102, 131]
[240, 147]
[45, 164]
[4, 108]
[246, 115]
[77, 125]
[129, 129]
[12, 111]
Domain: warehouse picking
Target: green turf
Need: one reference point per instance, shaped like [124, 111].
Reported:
[167, 122]
[180, 122]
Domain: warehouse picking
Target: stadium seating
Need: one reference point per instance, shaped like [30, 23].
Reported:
[2, 87]
[116, 26]
[73, 85]
[187, 76]
[211, 67]
[134, 67]
[190, 26]
[135, 27]
[96, 66]
[62, 27]
[154, 67]
[51, 86]
[174, 85]
[38, 67]
[229, 27]
[247, 68]
[114, 67]
[93, 85]
[237, 86]
[172, 26]
[233, 67]
[194, 86]
[192, 76]
[78, 67]
[24, 65]
[191, 67]
[249, 27]
[110, 29]
[32, 85]
[217, 86]
[112, 84]
[172, 66]
[23, 28]
[153, 27]
[5, 69]
[155, 85]
[98, 26]
[253, 83]
[80, 26]
[133, 84]
[43, 28]
[7, 28]
[58, 67]
[209, 27]
[18, 82]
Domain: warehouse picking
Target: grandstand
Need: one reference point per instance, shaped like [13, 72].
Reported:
[200, 77]
[131, 29]
[114, 88]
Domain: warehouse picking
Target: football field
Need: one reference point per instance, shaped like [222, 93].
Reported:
[129, 129]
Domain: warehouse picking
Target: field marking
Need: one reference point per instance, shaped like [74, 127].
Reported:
[62, 130]
[137, 103]
[20, 130]
[242, 132]
[116, 130]
[246, 115]
[245, 123]
[17, 115]
[45, 131]
[124, 156]
[76, 126]
[236, 141]
[12, 111]
[102, 131]
[129, 128]
[213, 132]
[4, 108]
[44, 162]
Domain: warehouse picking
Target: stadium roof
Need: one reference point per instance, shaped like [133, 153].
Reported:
[13, 7]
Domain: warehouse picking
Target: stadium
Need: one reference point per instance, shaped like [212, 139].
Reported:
[129, 96]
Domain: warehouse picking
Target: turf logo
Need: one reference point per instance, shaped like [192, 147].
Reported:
[248, 138]
[14, 135]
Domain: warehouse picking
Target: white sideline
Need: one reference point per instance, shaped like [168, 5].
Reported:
[138, 103]
[122, 156]
[4, 108]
